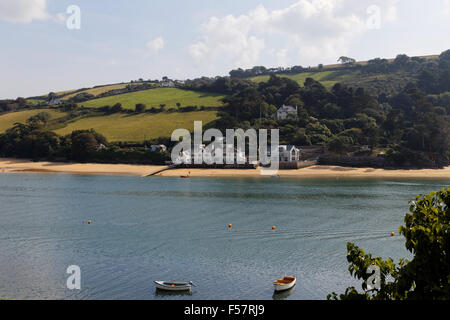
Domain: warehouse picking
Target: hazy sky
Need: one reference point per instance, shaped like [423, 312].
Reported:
[123, 40]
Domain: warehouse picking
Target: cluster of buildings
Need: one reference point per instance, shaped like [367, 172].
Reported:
[287, 154]
[186, 156]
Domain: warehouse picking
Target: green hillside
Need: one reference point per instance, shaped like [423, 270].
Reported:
[137, 127]
[362, 74]
[155, 97]
[99, 90]
[374, 83]
[327, 78]
[9, 119]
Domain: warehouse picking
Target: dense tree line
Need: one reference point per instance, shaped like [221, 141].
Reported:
[11, 105]
[262, 71]
[142, 108]
[223, 85]
[34, 141]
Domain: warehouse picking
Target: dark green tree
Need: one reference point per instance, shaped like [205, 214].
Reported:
[84, 143]
[140, 108]
[116, 108]
[346, 60]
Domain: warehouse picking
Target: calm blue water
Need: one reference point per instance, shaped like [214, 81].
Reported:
[147, 229]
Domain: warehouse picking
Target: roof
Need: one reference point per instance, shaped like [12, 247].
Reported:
[287, 109]
[288, 147]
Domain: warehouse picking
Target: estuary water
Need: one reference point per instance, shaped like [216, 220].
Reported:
[146, 229]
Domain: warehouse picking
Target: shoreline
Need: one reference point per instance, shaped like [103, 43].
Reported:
[17, 166]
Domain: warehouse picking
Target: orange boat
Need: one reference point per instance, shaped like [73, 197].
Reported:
[285, 283]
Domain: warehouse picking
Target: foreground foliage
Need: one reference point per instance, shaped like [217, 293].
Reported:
[427, 275]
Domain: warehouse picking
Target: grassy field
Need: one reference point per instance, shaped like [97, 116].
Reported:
[374, 83]
[327, 78]
[61, 92]
[155, 97]
[44, 96]
[7, 120]
[137, 127]
[99, 90]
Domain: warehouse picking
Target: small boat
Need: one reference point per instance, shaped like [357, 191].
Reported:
[186, 176]
[285, 283]
[174, 286]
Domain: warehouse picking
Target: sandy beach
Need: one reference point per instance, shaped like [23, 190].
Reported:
[317, 172]
[26, 166]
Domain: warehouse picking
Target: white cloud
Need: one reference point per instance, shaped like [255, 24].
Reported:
[298, 34]
[60, 18]
[280, 56]
[23, 11]
[155, 45]
[446, 5]
[228, 39]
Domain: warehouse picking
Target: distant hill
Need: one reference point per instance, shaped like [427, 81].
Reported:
[353, 76]
[246, 95]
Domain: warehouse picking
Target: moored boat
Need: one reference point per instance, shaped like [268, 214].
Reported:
[174, 286]
[285, 283]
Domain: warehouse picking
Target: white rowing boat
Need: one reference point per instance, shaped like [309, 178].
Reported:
[174, 286]
[285, 283]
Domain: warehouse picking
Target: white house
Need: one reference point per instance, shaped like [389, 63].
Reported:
[209, 156]
[158, 148]
[101, 146]
[183, 157]
[168, 84]
[286, 112]
[289, 153]
[188, 156]
[54, 101]
[239, 155]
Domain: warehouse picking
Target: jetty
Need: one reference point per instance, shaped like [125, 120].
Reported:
[160, 170]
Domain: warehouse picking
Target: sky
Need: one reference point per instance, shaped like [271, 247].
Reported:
[44, 48]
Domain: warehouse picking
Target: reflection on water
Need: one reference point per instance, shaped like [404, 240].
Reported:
[282, 295]
[172, 294]
[169, 228]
